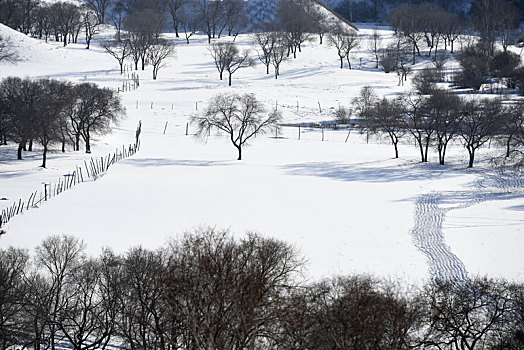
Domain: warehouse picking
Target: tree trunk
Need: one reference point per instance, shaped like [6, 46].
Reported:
[88, 144]
[471, 152]
[508, 146]
[420, 148]
[396, 149]
[341, 62]
[20, 149]
[426, 149]
[30, 147]
[239, 148]
[394, 141]
[44, 156]
[442, 154]
[230, 79]
[77, 142]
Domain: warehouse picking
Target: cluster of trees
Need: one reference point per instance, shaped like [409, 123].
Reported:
[297, 22]
[479, 67]
[208, 290]
[142, 42]
[440, 117]
[433, 26]
[51, 111]
[62, 21]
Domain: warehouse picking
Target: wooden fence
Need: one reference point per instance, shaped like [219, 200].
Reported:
[92, 170]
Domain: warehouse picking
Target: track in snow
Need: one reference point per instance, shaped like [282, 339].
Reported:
[429, 238]
[430, 215]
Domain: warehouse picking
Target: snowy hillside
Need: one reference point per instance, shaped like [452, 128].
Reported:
[263, 11]
[347, 206]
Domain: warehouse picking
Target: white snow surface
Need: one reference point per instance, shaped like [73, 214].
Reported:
[349, 207]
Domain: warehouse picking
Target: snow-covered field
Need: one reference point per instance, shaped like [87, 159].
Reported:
[348, 207]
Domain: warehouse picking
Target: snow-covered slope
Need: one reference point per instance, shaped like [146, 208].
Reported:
[263, 11]
[348, 206]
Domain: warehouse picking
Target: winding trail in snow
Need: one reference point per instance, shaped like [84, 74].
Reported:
[430, 213]
[428, 237]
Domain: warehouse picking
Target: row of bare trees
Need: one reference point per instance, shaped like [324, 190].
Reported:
[63, 21]
[438, 119]
[207, 290]
[50, 111]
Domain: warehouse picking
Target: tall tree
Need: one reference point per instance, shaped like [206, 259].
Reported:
[480, 122]
[240, 117]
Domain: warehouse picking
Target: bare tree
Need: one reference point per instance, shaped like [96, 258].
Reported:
[386, 116]
[320, 23]
[512, 126]
[188, 21]
[419, 123]
[67, 19]
[375, 45]
[58, 256]
[279, 51]
[494, 19]
[466, 314]
[345, 311]
[337, 39]
[235, 17]
[98, 108]
[224, 289]
[158, 52]
[13, 267]
[295, 20]
[365, 101]
[119, 49]
[100, 8]
[228, 58]
[19, 100]
[175, 9]
[144, 27]
[241, 117]
[51, 109]
[209, 15]
[266, 42]
[445, 109]
[344, 41]
[117, 16]
[84, 320]
[408, 22]
[91, 25]
[144, 322]
[480, 122]
[352, 41]
[7, 51]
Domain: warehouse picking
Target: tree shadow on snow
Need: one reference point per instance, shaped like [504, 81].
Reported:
[162, 162]
[358, 172]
